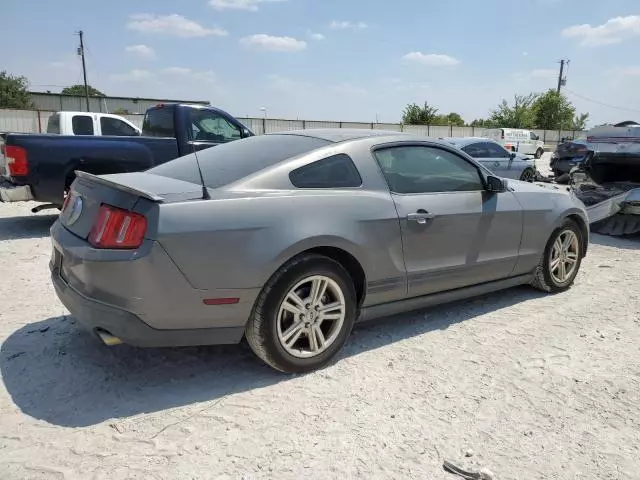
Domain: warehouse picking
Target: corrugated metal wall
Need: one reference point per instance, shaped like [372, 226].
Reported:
[34, 121]
[73, 103]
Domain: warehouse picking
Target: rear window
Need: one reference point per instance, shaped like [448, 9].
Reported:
[227, 163]
[53, 124]
[158, 122]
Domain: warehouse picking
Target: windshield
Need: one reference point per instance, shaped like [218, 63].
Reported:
[227, 163]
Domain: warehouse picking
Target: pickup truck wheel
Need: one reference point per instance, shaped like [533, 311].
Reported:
[618, 225]
[561, 259]
[303, 315]
[539, 153]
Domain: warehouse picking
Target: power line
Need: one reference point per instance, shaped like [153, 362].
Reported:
[602, 103]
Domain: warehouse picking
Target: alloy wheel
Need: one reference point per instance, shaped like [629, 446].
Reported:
[564, 256]
[311, 316]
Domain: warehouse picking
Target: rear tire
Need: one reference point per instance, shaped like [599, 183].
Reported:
[548, 274]
[293, 342]
[528, 175]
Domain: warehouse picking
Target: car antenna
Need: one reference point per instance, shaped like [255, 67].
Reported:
[205, 192]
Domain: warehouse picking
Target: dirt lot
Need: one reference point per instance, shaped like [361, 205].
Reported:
[535, 386]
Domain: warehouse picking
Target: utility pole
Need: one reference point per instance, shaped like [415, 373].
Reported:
[84, 68]
[562, 81]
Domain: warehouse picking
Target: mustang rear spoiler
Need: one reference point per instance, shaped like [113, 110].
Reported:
[118, 186]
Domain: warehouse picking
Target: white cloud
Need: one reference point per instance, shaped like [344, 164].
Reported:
[177, 71]
[142, 51]
[612, 31]
[622, 72]
[175, 25]
[432, 59]
[135, 75]
[525, 54]
[544, 73]
[347, 25]
[184, 72]
[261, 41]
[316, 36]
[249, 5]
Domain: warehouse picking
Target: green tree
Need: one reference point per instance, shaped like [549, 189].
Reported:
[452, 118]
[482, 123]
[120, 111]
[14, 91]
[79, 91]
[553, 110]
[414, 114]
[580, 122]
[520, 115]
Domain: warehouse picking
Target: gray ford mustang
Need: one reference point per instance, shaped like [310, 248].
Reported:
[287, 239]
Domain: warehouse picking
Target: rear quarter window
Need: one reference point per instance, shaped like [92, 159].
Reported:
[337, 171]
[158, 122]
[53, 124]
[82, 125]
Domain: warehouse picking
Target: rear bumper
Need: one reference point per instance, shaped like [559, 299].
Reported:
[130, 328]
[14, 193]
[564, 165]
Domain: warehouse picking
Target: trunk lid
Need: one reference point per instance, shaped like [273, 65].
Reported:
[136, 191]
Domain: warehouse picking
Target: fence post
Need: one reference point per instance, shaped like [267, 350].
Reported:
[304, 124]
[39, 122]
[371, 125]
[402, 127]
[340, 125]
[428, 130]
[264, 125]
[451, 130]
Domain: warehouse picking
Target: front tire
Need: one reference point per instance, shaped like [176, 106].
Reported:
[561, 259]
[304, 315]
[539, 153]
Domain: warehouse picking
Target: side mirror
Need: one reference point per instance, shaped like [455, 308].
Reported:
[246, 133]
[512, 155]
[495, 184]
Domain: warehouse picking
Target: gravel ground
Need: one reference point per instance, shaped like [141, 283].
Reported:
[530, 386]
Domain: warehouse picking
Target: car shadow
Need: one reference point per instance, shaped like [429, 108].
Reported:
[29, 226]
[631, 242]
[57, 372]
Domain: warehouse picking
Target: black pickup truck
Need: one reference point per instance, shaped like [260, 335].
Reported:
[41, 167]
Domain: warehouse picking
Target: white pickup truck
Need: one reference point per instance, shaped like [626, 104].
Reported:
[88, 123]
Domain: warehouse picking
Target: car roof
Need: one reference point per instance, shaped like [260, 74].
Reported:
[336, 135]
[464, 141]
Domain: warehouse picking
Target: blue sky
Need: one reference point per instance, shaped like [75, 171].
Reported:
[334, 59]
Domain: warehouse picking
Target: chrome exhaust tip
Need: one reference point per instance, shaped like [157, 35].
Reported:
[108, 339]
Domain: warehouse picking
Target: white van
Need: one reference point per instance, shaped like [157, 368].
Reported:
[517, 140]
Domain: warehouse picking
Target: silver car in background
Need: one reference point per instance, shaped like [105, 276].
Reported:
[287, 239]
[496, 158]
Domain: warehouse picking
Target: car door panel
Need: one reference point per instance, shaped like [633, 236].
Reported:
[456, 238]
[470, 239]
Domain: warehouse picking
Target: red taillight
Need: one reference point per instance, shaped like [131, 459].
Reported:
[117, 228]
[16, 157]
[65, 202]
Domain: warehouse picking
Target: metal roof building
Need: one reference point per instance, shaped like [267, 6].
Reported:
[76, 103]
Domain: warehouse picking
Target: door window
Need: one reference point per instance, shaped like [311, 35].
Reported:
[423, 169]
[115, 126]
[533, 136]
[82, 125]
[476, 150]
[208, 126]
[495, 151]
